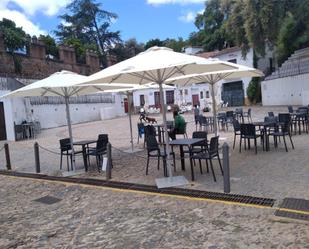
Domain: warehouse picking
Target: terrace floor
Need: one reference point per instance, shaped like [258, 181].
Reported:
[274, 174]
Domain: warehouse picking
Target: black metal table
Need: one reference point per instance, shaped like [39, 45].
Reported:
[85, 145]
[186, 142]
[263, 126]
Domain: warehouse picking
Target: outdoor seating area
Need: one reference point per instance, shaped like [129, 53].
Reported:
[27, 130]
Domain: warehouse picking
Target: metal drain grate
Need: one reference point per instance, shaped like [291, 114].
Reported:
[48, 200]
[299, 206]
[268, 202]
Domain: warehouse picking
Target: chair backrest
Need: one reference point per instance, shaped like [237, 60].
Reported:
[102, 142]
[271, 114]
[290, 108]
[236, 125]
[284, 117]
[203, 120]
[247, 130]
[249, 112]
[239, 111]
[149, 130]
[270, 119]
[200, 134]
[230, 114]
[214, 146]
[65, 144]
[303, 110]
[151, 143]
[169, 124]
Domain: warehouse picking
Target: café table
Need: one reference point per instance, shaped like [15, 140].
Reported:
[84, 144]
[264, 128]
[189, 142]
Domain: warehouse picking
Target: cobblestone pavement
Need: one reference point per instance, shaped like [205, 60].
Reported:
[274, 174]
[88, 217]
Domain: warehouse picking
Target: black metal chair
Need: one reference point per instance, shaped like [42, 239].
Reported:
[239, 115]
[283, 130]
[271, 114]
[148, 131]
[210, 153]
[153, 150]
[99, 151]
[236, 127]
[248, 115]
[66, 150]
[221, 118]
[290, 109]
[199, 147]
[248, 132]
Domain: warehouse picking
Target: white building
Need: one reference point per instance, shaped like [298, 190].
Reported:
[234, 92]
[50, 111]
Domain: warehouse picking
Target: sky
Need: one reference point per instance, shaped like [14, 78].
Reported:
[140, 19]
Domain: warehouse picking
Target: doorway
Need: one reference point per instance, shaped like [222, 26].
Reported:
[2, 123]
[195, 99]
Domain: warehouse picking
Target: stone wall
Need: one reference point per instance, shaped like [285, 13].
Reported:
[36, 65]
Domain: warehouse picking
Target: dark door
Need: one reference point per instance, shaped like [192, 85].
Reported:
[142, 100]
[195, 99]
[170, 97]
[157, 99]
[233, 93]
[2, 123]
[126, 105]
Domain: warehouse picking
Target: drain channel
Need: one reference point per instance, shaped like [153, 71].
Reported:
[267, 202]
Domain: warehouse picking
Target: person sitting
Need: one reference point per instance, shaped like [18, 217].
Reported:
[179, 125]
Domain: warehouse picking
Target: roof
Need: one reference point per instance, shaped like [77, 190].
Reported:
[217, 53]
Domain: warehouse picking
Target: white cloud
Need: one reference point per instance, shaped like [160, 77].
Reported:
[182, 2]
[48, 7]
[188, 17]
[22, 21]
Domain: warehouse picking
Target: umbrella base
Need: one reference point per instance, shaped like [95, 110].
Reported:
[172, 181]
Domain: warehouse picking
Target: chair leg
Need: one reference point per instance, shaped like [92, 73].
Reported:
[255, 145]
[207, 168]
[234, 141]
[68, 166]
[219, 160]
[286, 148]
[61, 160]
[291, 141]
[240, 144]
[158, 163]
[174, 161]
[200, 163]
[212, 170]
[147, 165]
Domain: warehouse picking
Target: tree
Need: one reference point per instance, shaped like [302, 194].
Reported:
[154, 42]
[14, 39]
[126, 50]
[211, 24]
[176, 45]
[88, 23]
[50, 45]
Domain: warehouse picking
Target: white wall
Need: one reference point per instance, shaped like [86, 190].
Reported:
[286, 91]
[18, 109]
[248, 61]
[149, 96]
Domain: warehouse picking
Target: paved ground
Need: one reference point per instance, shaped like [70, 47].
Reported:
[100, 218]
[274, 174]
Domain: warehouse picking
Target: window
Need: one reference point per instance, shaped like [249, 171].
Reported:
[233, 61]
[169, 97]
[201, 95]
[186, 91]
[207, 94]
[180, 92]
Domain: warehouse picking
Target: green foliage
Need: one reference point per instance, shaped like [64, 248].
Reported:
[80, 49]
[127, 50]
[88, 23]
[154, 42]
[14, 37]
[254, 90]
[50, 45]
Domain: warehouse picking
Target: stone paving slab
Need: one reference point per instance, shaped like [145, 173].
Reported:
[99, 218]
